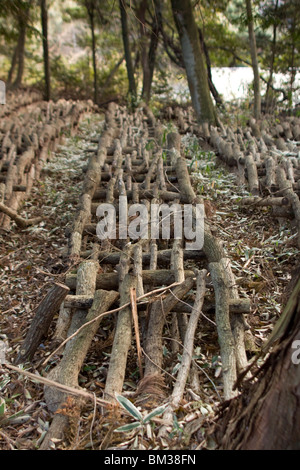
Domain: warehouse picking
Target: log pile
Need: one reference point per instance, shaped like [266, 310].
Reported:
[265, 158]
[141, 284]
[30, 131]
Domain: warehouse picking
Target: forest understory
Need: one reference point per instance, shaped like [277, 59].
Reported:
[258, 236]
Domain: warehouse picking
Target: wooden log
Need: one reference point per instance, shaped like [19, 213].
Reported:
[252, 175]
[41, 322]
[286, 187]
[68, 369]
[267, 201]
[158, 311]
[151, 172]
[20, 221]
[82, 217]
[225, 334]
[121, 344]
[188, 350]
[100, 194]
[110, 280]
[187, 194]
[240, 306]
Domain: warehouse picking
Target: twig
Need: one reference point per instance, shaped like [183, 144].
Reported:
[20, 221]
[64, 388]
[136, 328]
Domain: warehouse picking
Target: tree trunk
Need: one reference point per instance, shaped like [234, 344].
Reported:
[212, 87]
[141, 15]
[148, 78]
[20, 52]
[127, 51]
[194, 61]
[44, 20]
[94, 60]
[254, 60]
[13, 65]
[273, 52]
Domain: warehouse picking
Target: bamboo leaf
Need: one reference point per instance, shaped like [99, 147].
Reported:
[157, 411]
[2, 406]
[125, 403]
[128, 427]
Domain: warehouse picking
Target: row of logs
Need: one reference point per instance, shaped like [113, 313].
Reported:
[265, 156]
[18, 99]
[27, 140]
[140, 285]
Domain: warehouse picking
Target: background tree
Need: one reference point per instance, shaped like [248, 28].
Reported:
[194, 61]
[254, 60]
[127, 50]
[91, 9]
[19, 12]
[44, 19]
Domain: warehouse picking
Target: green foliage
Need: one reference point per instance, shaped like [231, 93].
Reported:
[141, 420]
[223, 25]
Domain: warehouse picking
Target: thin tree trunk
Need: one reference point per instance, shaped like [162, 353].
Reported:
[270, 79]
[293, 68]
[254, 60]
[127, 50]
[20, 52]
[194, 61]
[44, 20]
[148, 77]
[212, 87]
[91, 13]
[141, 15]
[13, 65]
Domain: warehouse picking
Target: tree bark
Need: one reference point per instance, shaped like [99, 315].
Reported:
[90, 7]
[12, 66]
[44, 20]
[20, 52]
[194, 61]
[127, 50]
[254, 60]
[271, 67]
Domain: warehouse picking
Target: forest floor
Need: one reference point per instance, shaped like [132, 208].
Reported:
[262, 252]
